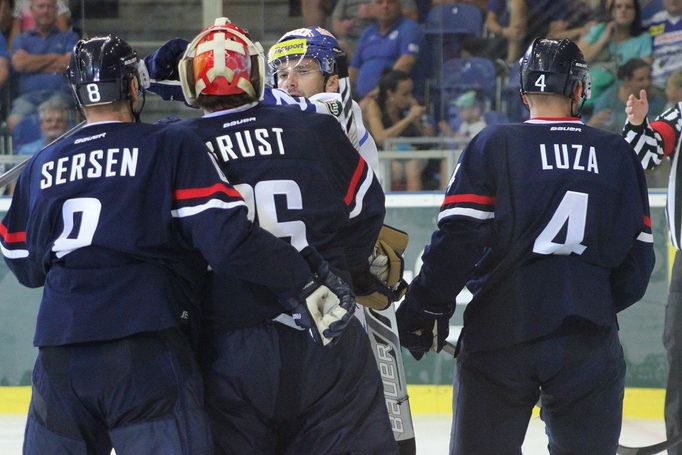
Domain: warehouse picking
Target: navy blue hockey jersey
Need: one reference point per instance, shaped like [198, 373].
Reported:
[116, 220]
[542, 221]
[303, 181]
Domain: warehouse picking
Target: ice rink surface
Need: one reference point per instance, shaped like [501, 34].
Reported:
[432, 434]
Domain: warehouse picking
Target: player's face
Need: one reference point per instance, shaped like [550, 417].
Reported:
[301, 77]
[623, 12]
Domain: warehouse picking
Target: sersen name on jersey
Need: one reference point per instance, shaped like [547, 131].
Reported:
[100, 163]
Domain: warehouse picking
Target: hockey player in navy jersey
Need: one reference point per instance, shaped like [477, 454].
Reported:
[654, 142]
[118, 221]
[270, 389]
[547, 224]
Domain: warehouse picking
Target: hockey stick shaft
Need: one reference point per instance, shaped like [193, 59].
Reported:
[652, 449]
[11, 175]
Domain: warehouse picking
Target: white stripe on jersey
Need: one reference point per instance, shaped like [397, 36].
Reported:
[13, 254]
[212, 204]
[472, 213]
[645, 237]
[360, 195]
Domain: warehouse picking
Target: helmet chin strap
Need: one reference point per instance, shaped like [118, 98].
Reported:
[136, 112]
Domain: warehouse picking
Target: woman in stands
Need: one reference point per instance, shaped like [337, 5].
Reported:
[395, 113]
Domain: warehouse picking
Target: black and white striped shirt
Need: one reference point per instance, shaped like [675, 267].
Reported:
[653, 142]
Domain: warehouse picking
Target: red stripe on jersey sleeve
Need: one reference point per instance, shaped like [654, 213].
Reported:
[11, 237]
[647, 221]
[354, 181]
[473, 198]
[195, 193]
[668, 134]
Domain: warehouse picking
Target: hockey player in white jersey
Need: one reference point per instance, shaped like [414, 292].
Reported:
[308, 62]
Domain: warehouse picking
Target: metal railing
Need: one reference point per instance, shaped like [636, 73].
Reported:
[446, 149]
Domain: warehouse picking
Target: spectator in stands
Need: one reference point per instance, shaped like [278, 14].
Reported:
[315, 12]
[54, 121]
[5, 16]
[535, 18]
[666, 29]
[469, 120]
[4, 66]
[351, 17]
[609, 108]
[497, 23]
[673, 89]
[609, 44]
[393, 41]
[39, 57]
[395, 113]
[22, 18]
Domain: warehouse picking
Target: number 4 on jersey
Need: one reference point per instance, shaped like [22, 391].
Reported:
[572, 210]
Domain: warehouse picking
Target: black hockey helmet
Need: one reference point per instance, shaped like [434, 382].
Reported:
[101, 69]
[554, 67]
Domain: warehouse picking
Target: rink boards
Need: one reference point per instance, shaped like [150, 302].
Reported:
[430, 392]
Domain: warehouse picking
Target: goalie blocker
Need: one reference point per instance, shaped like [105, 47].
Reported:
[387, 266]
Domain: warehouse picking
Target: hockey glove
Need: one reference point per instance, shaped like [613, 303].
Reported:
[387, 265]
[162, 65]
[326, 305]
[422, 330]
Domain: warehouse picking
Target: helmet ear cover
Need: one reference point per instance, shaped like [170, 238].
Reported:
[253, 61]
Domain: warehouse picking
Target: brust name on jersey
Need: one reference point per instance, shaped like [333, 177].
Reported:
[248, 143]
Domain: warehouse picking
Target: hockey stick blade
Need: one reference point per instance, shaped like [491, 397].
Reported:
[652, 449]
[11, 175]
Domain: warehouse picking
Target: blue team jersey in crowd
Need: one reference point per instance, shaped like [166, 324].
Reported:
[303, 181]
[116, 220]
[542, 221]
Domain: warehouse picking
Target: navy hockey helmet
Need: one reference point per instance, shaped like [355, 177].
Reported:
[101, 69]
[554, 67]
[312, 42]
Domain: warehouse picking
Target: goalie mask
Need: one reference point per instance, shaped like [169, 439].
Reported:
[101, 69]
[222, 60]
[313, 42]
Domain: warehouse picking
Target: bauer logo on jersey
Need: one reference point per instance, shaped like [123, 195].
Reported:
[287, 48]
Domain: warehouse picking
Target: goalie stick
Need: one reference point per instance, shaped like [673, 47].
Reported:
[652, 449]
[382, 328]
[11, 175]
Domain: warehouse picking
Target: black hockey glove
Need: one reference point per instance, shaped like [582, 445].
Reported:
[325, 305]
[422, 330]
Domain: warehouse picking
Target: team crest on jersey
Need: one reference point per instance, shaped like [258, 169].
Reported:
[335, 107]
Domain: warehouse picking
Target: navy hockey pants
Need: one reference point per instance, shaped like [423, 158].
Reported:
[142, 395]
[579, 375]
[672, 340]
[271, 390]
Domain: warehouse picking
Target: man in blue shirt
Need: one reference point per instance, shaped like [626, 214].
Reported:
[391, 42]
[39, 58]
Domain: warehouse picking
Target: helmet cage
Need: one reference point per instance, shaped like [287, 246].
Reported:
[95, 81]
[231, 72]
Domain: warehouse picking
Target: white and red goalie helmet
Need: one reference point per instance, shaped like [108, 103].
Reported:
[222, 60]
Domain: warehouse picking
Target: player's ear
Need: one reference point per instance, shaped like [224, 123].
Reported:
[332, 84]
[134, 89]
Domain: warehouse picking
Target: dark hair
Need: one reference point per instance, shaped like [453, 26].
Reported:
[389, 81]
[636, 26]
[628, 68]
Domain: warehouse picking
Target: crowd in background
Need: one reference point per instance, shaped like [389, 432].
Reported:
[462, 59]
[419, 67]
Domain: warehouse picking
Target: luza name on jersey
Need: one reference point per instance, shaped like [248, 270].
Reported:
[91, 165]
[568, 156]
[248, 143]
